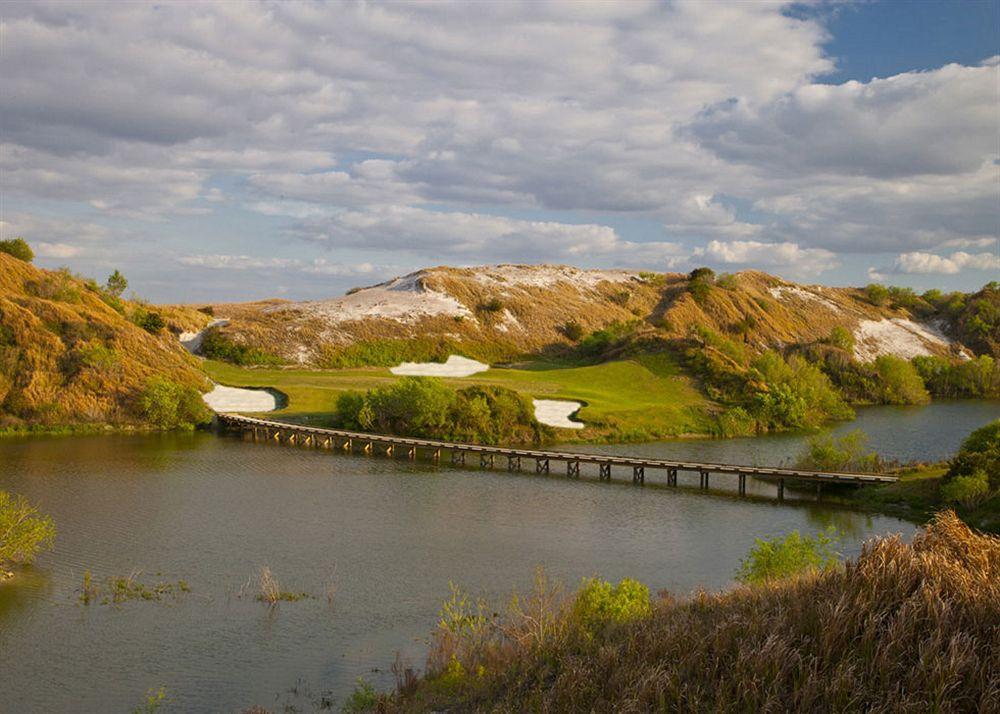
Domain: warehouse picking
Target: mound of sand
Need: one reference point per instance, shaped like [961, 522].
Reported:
[455, 366]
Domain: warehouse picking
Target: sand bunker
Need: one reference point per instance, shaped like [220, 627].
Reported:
[455, 367]
[234, 399]
[896, 336]
[556, 413]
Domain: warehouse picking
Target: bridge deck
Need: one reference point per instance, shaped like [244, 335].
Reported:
[605, 461]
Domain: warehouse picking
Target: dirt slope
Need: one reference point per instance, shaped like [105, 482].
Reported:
[68, 357]
[502, 312]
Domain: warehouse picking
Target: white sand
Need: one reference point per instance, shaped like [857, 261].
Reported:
[783, 292]
[455, 366]
[896, 336]
[192, 340]
[404, 299]
[556, 413]
[543, 276]
[234, 399]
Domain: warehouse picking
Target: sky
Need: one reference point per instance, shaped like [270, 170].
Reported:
[237, 150]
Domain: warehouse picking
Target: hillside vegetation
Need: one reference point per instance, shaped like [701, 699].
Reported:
[902, 628]
[73, 353]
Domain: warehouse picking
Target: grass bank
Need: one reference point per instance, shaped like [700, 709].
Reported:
[904, 628]
[627, 400]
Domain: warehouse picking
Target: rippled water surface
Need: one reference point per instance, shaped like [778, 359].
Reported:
[385, 536]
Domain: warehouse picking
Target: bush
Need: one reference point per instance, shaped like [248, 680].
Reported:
[979, 452]
[600, 341]
[217, 346]
[798, 394]
[700, 282]
[573, 330]
[152, 322]
[18, 248]
[841, 338]
[23, 530]
[777, 558]
[426, 407]
[968, 491]
[491, 305]
[168, 405]
[599, 603]
[847, 453]
[116, 284]
[901, 383]
[877, 295]
[363, 698]
[979, 377]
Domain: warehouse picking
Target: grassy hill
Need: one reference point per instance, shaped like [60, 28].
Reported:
[72, 354]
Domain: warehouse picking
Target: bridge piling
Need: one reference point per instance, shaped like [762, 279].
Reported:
[639, 475]
[541, 466]
[605, 472]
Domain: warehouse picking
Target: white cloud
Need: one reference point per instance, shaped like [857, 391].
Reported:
[317, 266]
[920, 263]
[805, 261]
[56, 250]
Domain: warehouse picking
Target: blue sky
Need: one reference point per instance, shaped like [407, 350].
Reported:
[243, 151]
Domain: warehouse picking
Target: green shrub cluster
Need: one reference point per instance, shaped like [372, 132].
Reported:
[18, 248]
[980, 452]
[597, 343]
[217, 346]
[149, 320]
[979, 377]
[824, 452]
[700, 283]
[599, 603]
[23, 530]
[793, 393]
[426, 407]
[781, 557]
[168, 405]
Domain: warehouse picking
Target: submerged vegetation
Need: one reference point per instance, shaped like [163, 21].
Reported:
[919, 635]
[118, 589]
[23, 531]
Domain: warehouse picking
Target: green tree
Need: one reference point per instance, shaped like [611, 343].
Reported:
[116, 284]
[842, 338]
[968, 491]
[877, 295]
[23, 530]
[901, 382]
[168, 405]
[19, 248]
[979, 452]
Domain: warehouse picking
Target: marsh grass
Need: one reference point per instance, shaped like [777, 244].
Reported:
[904, 627]
[118, 589]
[266, 589]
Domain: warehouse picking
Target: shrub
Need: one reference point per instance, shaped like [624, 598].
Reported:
[841, 338]
[777, 558]
[168, 405]
[901, 383]
[979, 452]
[700, 282]
[491, 305]
[426, 407]
[877, 295]
[217, 346]
[599, 603]
[23, 530]
[18, 248]
[726, 281]
[600, 341]
[573, 330]
[152, 322]
[362, 699]
[979, 377]
[797, 393]
[968, 491]
[847, 453]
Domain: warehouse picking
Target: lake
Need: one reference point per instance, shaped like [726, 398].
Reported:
[385, 537]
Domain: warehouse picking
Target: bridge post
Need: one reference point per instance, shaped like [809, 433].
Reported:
[513, 463]
[704, 479]
[368, 448]
[349, 444]
[573, 469]
[639, 475]
[389, 450]
[605, 472]
[541, 465]
[458, 457]
[781, 489]
[485, 460]
[819, 490]
[436, 456]
[412, 453]
[671, 477]
[743, 483]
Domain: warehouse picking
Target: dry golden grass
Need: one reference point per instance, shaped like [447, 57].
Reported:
[68, 358]
[902, 628]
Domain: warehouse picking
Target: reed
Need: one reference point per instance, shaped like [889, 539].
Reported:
[905, 627]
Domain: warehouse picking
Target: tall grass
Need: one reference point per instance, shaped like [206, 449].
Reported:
[902, 628]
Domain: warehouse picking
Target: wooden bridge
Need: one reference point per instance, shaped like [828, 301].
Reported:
[513, 459]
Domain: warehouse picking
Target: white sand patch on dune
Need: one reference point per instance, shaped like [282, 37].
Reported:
[544, 276]
[783, 292]
[234, 399]
[895, 336]
[455, 366]
[192, 340]
[403, 299]
[555, 412]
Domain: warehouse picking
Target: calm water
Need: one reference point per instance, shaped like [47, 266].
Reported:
[387, 535]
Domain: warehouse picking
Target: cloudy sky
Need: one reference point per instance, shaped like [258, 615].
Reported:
[238, 150]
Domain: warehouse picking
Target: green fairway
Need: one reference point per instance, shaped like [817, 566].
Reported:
[642, 398]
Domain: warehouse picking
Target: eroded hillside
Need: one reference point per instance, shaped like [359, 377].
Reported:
[72, 354]
[501, 313]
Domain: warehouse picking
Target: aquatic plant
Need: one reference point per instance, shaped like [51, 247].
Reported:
[269, 591]
[23, 531]
[118, 589]
[155, 698]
